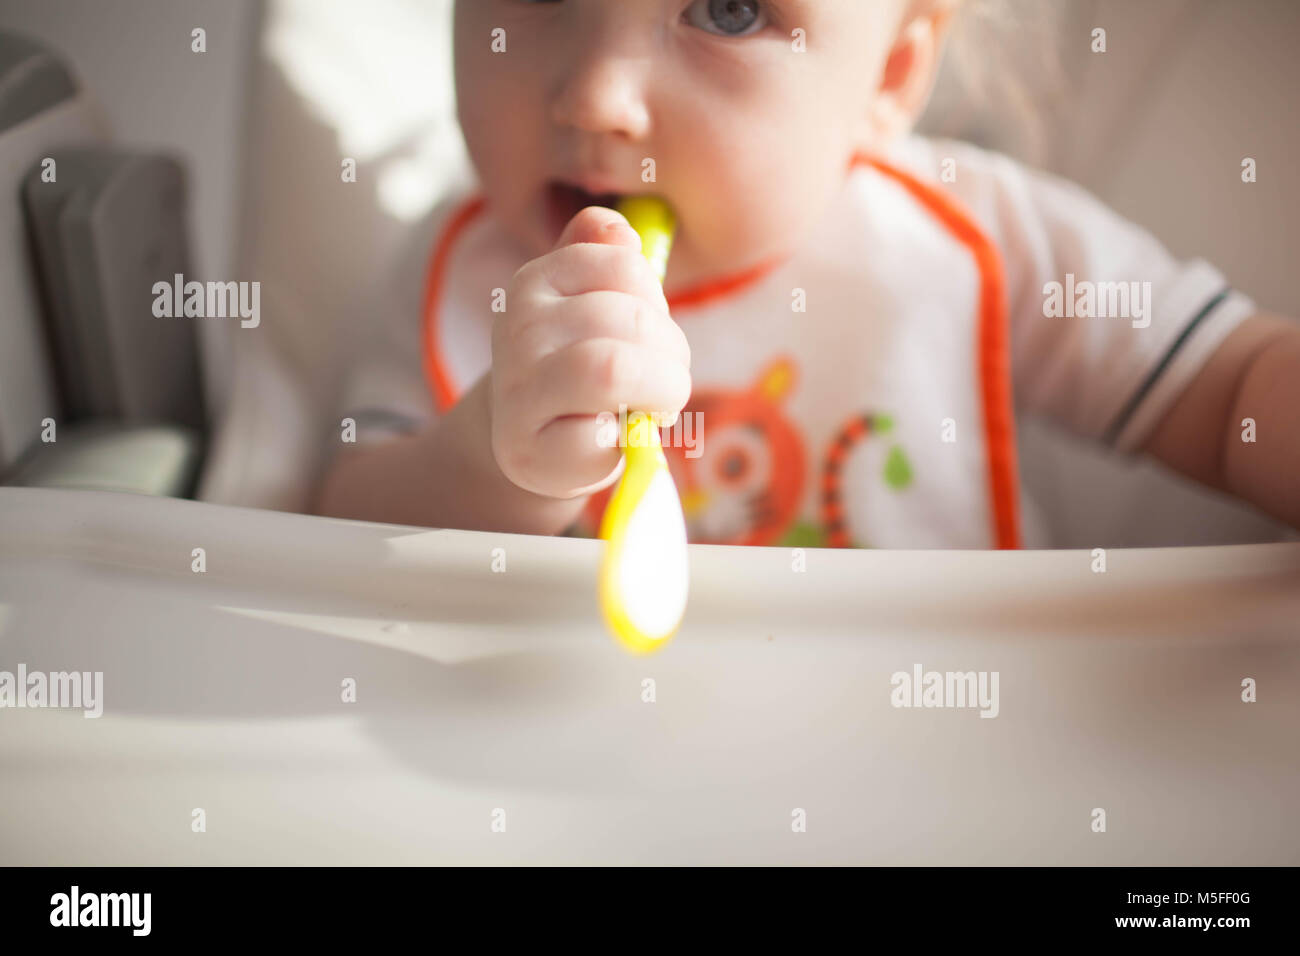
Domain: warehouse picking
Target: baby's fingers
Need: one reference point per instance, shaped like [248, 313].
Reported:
[591, 267]
[599, 224]
[601, 315]
[599, 375]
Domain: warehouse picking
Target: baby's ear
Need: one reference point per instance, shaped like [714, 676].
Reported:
[911, 67]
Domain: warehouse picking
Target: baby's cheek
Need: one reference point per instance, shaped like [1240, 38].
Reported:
[763, 185]
[505, 158]
[767, 222]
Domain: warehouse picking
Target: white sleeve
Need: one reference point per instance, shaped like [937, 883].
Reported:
[1113, 375]
[383, 381]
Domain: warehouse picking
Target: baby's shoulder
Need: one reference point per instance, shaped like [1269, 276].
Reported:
[1013, 201]
[932, 155]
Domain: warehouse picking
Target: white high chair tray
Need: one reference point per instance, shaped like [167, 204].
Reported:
[489, 696]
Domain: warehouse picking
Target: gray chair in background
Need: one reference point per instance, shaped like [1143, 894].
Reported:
[96, 392]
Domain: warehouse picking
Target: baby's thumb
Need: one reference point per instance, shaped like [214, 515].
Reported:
[599, 224]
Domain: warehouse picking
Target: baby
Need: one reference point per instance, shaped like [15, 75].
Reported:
[852, 314]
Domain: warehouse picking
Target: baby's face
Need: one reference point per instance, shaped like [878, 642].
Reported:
[748, 136]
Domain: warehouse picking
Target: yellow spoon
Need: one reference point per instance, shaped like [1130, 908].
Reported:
[643, 573]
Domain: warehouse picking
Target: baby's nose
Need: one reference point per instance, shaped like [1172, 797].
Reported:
[605, 94]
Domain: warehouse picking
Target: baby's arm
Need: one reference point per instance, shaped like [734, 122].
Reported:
[1254, 374]
[587, 329]
[443, 476]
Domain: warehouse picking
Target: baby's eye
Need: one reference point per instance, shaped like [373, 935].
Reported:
[732, 18]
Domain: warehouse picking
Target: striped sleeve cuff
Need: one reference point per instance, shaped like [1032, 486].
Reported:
[385, 400]
[1212, 311]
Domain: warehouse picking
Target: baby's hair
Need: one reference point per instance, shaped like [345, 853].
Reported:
[1002, 71]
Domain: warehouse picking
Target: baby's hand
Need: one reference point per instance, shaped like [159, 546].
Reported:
[586, 328]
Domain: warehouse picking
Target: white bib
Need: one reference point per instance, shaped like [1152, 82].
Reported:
[857, 394]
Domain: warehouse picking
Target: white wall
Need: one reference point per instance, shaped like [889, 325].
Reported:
[135, 58]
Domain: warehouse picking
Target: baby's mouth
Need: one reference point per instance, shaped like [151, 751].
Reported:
[564, 201]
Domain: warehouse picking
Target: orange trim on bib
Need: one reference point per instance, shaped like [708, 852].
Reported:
[714, 290]
[994, 353]
[444, 390]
